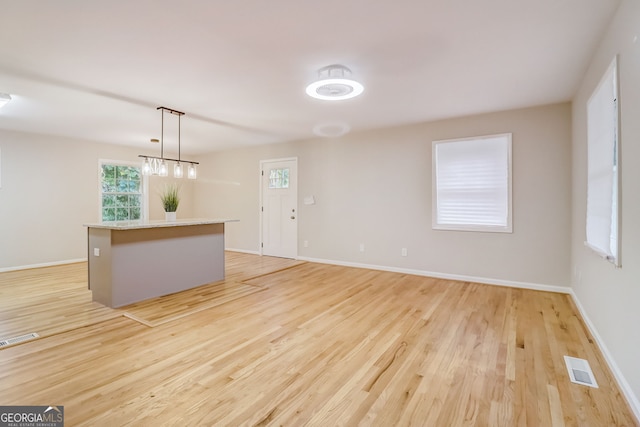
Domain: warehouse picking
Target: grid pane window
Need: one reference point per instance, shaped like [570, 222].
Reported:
[121, 187]
[279, 178]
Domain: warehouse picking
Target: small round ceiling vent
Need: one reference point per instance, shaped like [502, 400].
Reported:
[331, 130]
[334, 84]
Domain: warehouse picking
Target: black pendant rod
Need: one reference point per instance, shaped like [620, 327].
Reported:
[179, 159]
[144, 156]
[172, 111]
[162, 135]
[177, 113]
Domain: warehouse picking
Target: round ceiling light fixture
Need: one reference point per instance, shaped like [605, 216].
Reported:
[334, 84]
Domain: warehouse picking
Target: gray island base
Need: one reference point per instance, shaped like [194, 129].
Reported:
[137, 260]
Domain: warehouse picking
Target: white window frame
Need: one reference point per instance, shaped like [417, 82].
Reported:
[603, 168]
[437, 224]
[145, 186]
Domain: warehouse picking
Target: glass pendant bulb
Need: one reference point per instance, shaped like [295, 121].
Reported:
[154, 164]
[146, 167]
[163, 170]
[177, 170]
[192, 172]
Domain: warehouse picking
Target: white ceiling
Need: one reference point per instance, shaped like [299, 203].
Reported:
[97, 70]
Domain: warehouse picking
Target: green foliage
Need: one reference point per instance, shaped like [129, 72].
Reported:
[121, 179]
[121, 192]
[170, 198]
[118, 207]
[279, 178]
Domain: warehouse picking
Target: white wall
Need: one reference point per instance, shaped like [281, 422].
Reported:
[49, 189]
[375, 188]
[610, 296]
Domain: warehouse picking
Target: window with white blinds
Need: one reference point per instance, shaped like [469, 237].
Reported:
[603, 168]
[472, 184]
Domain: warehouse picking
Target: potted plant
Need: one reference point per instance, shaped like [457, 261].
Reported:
[170, 201]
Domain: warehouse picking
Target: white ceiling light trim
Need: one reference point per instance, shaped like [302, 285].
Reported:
[334, 84]
[4, 99]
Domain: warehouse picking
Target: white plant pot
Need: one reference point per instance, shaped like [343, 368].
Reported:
[170, 216]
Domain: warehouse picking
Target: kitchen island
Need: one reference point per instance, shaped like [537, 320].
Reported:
[130, 261]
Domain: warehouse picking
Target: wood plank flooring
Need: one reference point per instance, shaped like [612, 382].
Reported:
[239, 268]
[48, 300]
[318, 345]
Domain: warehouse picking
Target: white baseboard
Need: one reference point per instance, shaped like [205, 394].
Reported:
[243, 251]
[46, 264]
[475, 279]
[628, 393]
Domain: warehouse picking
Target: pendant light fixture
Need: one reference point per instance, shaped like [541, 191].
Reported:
[153, 165]
[334, 84]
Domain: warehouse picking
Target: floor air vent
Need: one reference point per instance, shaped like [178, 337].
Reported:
[580, 371]
[16, 340]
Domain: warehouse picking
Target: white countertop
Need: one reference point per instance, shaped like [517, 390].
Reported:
[132, 225]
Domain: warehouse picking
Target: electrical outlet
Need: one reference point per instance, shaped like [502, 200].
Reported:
[96, 251]
[305, 243]
[404, 252]
[361, 247]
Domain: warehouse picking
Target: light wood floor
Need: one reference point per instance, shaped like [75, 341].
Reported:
[311, 344]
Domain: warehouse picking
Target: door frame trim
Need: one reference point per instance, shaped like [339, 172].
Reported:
[260, 205]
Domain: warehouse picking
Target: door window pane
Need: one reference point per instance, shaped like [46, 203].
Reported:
[279, 178]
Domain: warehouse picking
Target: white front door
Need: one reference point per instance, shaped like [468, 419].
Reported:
[279, 188]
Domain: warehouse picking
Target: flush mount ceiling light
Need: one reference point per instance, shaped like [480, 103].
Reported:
[4, 99]
[158, 165]
[334, 84]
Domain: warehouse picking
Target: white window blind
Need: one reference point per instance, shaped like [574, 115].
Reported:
[472, 184]
[602, 167]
